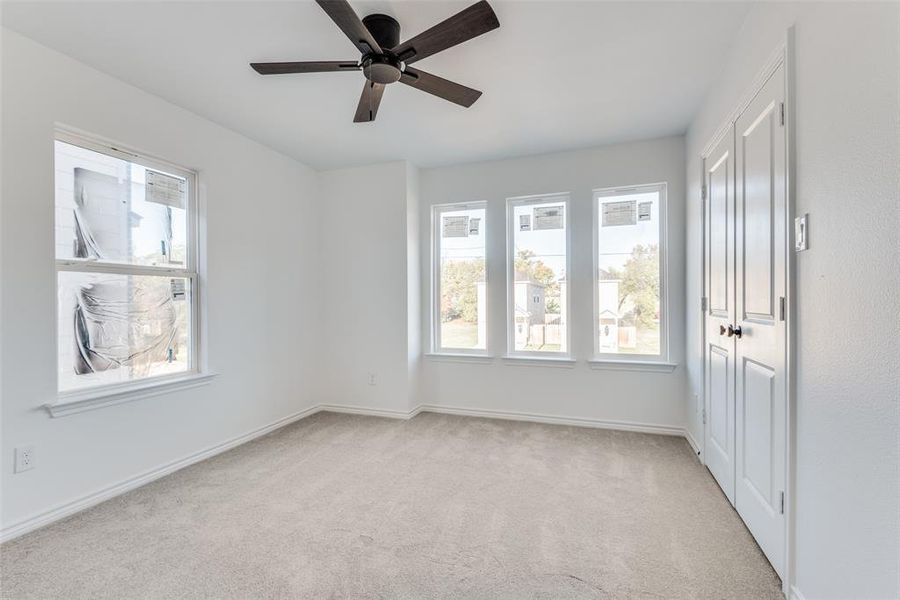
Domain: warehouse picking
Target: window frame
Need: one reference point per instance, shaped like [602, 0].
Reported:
[511, 225]
[115, 392]
[662, 358]
[436, 348]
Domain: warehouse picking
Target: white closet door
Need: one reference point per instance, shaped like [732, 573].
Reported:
[760, 361]
[720, 312]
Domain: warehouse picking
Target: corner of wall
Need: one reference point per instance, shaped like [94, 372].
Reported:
[413, 285]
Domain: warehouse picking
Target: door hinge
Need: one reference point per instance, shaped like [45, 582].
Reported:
[703, 414]
[703, 303]
[782, 503]
[703, 192]
[781, 308]
[782, 114]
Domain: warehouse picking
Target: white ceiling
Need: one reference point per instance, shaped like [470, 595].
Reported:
[556, 75]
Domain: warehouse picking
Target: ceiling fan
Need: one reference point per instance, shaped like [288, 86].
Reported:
[385, 60]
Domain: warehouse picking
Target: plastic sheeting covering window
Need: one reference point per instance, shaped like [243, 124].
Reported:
[122, 327]
[105, 212]
[115, 327]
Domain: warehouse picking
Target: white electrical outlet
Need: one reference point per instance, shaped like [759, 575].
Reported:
[371, 378]
[24, 458]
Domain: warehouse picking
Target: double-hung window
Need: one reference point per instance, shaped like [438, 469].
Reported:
[629, 273]
[126, 267]
[459, 312]
[537, 275]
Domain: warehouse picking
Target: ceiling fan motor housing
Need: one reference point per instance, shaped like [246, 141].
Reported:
[379, 68]
[385, 30]
[382, 68]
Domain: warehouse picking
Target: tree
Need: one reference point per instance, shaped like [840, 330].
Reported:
[534, 269]
[459, 289]
[639, 284]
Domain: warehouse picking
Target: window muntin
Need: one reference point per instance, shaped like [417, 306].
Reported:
[460, 299]
[125, 259]
[538, 267]
[629, 273]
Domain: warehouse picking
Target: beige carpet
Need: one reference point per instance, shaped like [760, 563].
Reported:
[340, 506]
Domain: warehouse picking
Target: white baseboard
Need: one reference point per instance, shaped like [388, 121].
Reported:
[795, 594]
[553, 420]
[70, 508]
[368, 411]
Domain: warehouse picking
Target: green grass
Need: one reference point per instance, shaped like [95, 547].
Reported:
[647, 342]
[459, 334]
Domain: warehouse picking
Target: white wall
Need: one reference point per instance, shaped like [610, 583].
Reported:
[578, 392]
[261, 224]
[848, 180]
[314, 282]
[367, 221]
[413, 283]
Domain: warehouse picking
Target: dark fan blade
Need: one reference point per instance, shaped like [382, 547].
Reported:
[280, 68]
[440, 87]
[368, 102]
[345, 17]
[461, 27]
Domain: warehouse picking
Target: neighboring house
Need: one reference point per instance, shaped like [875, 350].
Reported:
[614, 335]
[609, 331]
[530, 308]
[534, 325]
[609, 315]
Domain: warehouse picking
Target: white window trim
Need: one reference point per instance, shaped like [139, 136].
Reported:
[78, 400]
[456, 357]
[655, 366]
[110, 395]
[637, 362]
[436, 348]
[511, 353]
[543, 360]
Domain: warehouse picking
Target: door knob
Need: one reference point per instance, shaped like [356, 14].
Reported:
[734, 331]
[722, 330]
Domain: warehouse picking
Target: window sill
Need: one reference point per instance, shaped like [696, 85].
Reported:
[632, 365]
[459, 357]
[539, 361]
[76, 402]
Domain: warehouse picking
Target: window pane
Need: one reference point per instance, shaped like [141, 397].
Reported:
[113, 210]
[539, 286]
[117, 328]
[628, 277]
[462, 294]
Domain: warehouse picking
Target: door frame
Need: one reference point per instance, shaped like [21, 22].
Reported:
[783, 55]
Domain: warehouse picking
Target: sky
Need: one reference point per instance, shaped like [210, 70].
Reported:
[615, 242]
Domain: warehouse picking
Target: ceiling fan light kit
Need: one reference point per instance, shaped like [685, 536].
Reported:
[385, 60]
